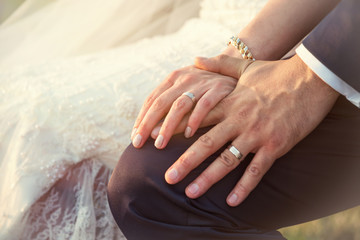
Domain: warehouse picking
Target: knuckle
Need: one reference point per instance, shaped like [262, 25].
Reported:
[206, 141]
[149, 100]
[143, 128]
[186, 79]
[257, 127]
[241, 188]
[186, 161]
[219, 85]
[232, 125]
[138, 121]
[180, 103]
[158, 104]
[254, 170]
[276, 141]
[176, 72]
[243, 114]
[221, 57]
[207, 178]
[227, 159]
[172, 76]
[165, 128]
[170, 80]
[205, 103]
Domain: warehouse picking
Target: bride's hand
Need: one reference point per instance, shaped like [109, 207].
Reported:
[169, 102]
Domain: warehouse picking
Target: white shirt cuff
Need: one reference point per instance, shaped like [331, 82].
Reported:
[328, 76]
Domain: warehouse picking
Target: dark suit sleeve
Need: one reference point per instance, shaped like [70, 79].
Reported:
[335, 42]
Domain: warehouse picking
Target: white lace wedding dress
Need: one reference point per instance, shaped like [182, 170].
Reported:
[65, 119]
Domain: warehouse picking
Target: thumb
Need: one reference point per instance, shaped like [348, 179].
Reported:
[223, 64]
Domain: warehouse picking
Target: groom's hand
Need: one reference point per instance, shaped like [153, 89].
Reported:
[273, 107]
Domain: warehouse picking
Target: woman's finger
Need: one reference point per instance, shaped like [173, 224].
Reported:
[179, 108]
[205, 104]
[156, 112]
[151, 114]
[229, 159]
[223, 64]
[257, 168]
[145, 107]
[212, 118]
[165, 85]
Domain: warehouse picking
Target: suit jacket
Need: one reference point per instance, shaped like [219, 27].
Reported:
[335, 42]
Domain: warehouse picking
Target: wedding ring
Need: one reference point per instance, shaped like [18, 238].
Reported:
[235, 152]
[190, 95]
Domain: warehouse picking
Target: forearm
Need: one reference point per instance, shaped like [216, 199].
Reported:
[280, 25]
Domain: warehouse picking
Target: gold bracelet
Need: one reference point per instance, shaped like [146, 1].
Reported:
[241, 47]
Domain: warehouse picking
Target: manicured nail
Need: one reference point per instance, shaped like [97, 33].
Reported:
[172, 174]
[155, 132]
[188, 132]
[159, 141]
[233, 199]
[193, 188]
[133, 132]
[137, 140]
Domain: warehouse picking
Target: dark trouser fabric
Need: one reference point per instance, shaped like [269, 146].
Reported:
[318, 177]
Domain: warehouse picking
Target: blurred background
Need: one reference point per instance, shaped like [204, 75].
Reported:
[341, 226]
[7, 7]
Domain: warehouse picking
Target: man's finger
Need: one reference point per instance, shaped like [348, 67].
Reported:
[206, 145]
[229, 159]
[257, 168]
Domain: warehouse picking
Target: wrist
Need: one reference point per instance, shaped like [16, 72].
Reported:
[319, 89]
[238, 48]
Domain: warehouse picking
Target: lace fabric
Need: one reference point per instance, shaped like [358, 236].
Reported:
[58, 114]
[74, 208]
[66, 122]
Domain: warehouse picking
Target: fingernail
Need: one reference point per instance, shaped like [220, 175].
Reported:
[188, 132]
[193, 188]
[172, 174]
[233, 199]
[155, 132]
[133, 132]
[159, 141]
[137, 140]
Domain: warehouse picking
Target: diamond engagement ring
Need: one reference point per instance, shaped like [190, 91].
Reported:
[190, 95]
[235, 152]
